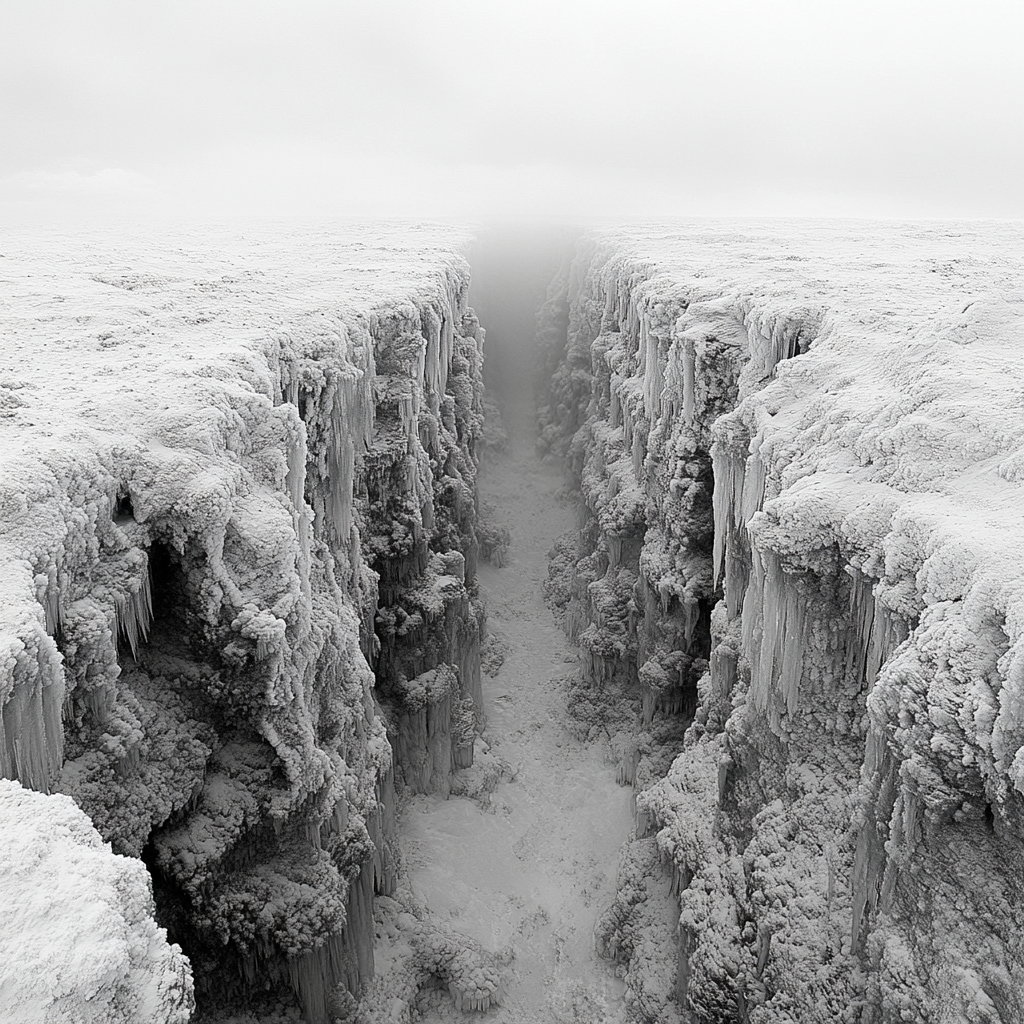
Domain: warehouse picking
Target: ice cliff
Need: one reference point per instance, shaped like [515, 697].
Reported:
[800, 451]
[237, 477]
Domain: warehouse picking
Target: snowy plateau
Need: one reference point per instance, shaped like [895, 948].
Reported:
[730, 730]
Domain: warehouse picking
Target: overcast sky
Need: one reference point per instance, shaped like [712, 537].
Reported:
[473, 108]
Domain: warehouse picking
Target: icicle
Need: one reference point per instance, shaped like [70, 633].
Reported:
[724, 764]
[691, 611]
[727, 496]
[134, 614]
[630, 763]
[647, 702]
[315, 974]
[408, 415]
[654, 381]
[342, 481]
[337, 821]
[792, 654]
[862, 618]
[773, 609]
[642, 820]
[351, 428]
[358, 933]
[31, 731]
[723, 671]
[447, 350]
[664, 594]
[614, 550]
[753, 630]
[296, 483]
[383, 827]
[50, 599]
[296, 478]
[689, 386]
[783, 631]
[431, 375]
[889, 630]
[752, 491]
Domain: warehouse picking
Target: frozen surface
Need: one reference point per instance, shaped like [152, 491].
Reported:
[800, 449]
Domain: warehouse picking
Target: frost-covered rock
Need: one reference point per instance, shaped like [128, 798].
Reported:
[78, 941]
[801, 444]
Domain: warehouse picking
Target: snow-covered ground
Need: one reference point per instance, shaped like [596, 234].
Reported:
[523, 856]
[78, 941]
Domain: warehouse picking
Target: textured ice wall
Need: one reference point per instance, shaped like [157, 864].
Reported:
[800, 449]
[189, 429]
[420, 528]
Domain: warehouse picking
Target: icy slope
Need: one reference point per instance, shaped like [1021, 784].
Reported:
[800, 448]
[212, 445]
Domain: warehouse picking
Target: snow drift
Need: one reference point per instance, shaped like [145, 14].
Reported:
[79, 942]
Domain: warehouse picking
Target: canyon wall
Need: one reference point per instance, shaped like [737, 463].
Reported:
[237, 477]
[800, 451]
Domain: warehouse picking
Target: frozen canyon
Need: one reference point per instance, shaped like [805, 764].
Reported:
[241, 619]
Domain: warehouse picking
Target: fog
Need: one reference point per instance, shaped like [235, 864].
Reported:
[460, 109]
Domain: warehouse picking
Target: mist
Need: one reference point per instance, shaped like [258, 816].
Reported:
[452, 109]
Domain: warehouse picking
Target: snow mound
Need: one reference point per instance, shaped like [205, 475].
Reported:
[79, 942]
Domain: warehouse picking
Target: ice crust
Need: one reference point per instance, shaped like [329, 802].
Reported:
[799, 448]
[229, 463]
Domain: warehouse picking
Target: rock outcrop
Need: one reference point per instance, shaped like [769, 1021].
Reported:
[799, 455]
[234, 469]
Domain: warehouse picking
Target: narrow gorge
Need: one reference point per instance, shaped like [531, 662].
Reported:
[289, 732]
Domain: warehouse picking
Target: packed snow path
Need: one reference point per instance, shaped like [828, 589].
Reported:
[530, 871]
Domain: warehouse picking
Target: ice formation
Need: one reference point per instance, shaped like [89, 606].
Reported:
[799, 450]
[238, 476]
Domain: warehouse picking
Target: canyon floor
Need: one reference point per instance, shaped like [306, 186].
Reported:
[526, 868]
